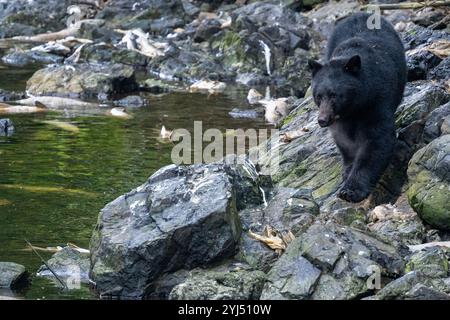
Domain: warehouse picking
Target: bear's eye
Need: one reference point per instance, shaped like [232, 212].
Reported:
[332, 95]
[319, 98]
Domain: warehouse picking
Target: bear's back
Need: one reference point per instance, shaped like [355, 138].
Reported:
[356, 25]
[352, 34]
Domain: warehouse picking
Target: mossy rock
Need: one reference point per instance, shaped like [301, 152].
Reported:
[429, 178]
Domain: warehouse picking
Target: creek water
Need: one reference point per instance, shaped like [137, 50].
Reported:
[53, 182]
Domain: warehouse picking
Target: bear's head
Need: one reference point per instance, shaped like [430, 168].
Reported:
[336, 88]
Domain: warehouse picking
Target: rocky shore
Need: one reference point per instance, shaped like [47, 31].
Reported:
[191, 232]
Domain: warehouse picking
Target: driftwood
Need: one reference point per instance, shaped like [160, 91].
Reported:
[55, 249]
[419, 247]
[52, 36]
[409, 5]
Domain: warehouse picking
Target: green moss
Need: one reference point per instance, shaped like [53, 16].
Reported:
[430, 200]
[231, 45]
[295, 114]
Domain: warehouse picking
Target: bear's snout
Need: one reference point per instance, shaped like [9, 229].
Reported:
[325, 119]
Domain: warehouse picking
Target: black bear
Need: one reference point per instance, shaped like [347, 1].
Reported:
[357, 90]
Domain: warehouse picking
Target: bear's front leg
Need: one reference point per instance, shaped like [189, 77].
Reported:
[347, 163]
[371, 161]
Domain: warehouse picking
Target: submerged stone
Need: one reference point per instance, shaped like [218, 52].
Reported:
[11, 275]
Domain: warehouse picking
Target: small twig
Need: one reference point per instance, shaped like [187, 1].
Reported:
[45, 263]
[409, 5]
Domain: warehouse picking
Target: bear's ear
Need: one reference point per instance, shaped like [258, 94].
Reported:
[353, 65]
[314, 66]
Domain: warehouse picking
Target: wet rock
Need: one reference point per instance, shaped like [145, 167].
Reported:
[220, 284]
[420, 63]
[432, 262]
[264, 40]
[68, 264]
[11, 95]
[98, 53]
[428, 16]
[287, 210]
[420, 99]
[6, 127]
[292, 277]
[251, 79]
[130, 102]
[98, 32]
[83, 80]
[12, 275]
[347, 216]
[248, 114]
[161, 26]
[415, 36]
[207, 29]
[22, 59]
[434, 122]
[398, 224]
[161, 288]
[441, 71]
[344, 258]
[189, 8]
[123, 12]
[411, 284]
[157, 86]
[422, 292]
[23, 17]
[181, 218]
[324, 17]
[429, 183]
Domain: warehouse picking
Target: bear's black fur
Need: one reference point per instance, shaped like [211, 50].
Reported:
[358, 89]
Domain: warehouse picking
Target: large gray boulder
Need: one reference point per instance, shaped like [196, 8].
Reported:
[429, 182]
[183, 217]
[11, 274]
[85, 81]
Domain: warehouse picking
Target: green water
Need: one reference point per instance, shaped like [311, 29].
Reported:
[53, 182]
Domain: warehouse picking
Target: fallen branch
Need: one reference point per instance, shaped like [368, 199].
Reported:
[45, 263]
[408, 5]
[419, 247]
